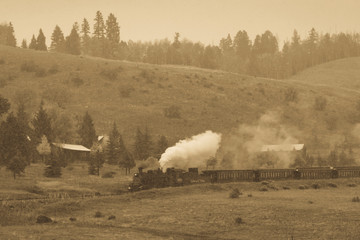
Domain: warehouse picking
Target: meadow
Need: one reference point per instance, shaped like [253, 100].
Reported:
[91, 207]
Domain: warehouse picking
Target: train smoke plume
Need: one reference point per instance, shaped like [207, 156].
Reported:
[241, 149]
[192, 152]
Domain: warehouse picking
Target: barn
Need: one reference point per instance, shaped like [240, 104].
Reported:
[73, 152]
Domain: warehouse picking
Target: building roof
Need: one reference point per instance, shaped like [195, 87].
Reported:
[282, 147]
[72, 147]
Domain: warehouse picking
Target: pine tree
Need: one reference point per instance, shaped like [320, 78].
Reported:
[162, 145]
[113, 150]
[4, 105]
[17, 164]
[87, 131]
[112, 35]
[126, 159]
[97, 160]
[99, 26]
[57, 40]
[73, 45]
[11, 40]
[85, 37]
[143, 145]
[28, 146]
[54, 164]
[32, 44]
[14, 142]
[41, 41]
[42, 125]
[24, 44]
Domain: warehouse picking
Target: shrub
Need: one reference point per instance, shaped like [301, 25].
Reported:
[110, 74]
[235, 193]
[77, 82]
[172, 112]
[320, 103]
[250, 195]
[315, 186]
[263, 189]
[34, 189]
[98, 214]
[29, 66]
[238, 220]
[108, 175]
[40, 72]
[302, 187]
[112, 217]
[58, 95]
[351, 185]
[53, 69]
[356, 199]
[333, 185]
[125, 91]
[286, 188]
[3, 82]
[291, 95]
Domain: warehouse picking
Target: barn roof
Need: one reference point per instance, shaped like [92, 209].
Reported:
[72, 147]
[282, 147]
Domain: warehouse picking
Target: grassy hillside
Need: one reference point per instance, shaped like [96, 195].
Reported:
[343, 73]
[136, 94]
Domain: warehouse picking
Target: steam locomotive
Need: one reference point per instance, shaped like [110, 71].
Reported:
[178, 177]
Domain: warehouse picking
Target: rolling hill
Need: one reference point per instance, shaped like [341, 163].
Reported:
[136, 95]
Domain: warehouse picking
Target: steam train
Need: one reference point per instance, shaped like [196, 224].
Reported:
[178, 177]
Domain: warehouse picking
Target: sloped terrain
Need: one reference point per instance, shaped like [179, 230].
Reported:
[136, 95]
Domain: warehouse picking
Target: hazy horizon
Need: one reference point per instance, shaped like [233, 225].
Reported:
[206, 21]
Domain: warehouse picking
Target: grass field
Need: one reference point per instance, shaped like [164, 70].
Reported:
[136, 94]
[202, 211]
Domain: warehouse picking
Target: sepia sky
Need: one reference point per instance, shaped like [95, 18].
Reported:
[198, 20]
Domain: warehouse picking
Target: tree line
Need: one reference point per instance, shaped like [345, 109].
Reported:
[259, 57]
[25, 140]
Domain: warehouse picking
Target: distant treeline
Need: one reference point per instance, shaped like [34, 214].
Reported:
[260, 57]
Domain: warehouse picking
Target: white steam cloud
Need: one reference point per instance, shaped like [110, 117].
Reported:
[241, 149]
[192, 152]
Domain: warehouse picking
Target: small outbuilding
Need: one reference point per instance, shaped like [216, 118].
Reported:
[73, 152]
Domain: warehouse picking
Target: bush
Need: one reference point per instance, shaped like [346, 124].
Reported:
[110, 74]
[302, 187]
[333, 185]
[286, 188]
[235, 193]
[238, 220]
[34, 189]
[172, 112]
[53, 69]
[315, 186]
[291, 95]
[40, 72]
[356, 199]
[263, 189]
[98, 214]
[108, 175]
[77, 82]
[29, 66]
[3, 82]
[320, 103]
[351, 185]
[125, 91]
